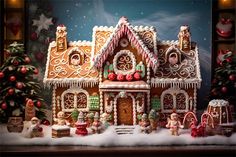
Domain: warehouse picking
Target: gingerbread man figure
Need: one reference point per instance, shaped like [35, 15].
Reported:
[174, 124]
[61, 120]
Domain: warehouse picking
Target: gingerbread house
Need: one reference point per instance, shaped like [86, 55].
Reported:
[125, 71]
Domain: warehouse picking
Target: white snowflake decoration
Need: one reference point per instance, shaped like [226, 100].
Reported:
[42, 23]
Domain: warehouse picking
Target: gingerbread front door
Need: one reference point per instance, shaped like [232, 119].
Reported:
[125, 111]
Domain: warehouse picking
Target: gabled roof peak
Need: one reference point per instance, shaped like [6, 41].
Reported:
[123, 19]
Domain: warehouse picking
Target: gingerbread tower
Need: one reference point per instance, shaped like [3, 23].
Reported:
[184, 38]
[61, 40]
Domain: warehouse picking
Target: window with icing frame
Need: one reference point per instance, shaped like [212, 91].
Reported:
[124, 62]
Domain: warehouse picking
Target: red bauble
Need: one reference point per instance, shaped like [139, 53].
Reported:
[120, 77]
[23, 70]
[1, 74]
[224, 89]
[27, 60]
[38, 104]
[36, 71]
[232, 77]
[129, 77]
[15, 62]
[229, 59]
[12, 78]
[39, 56]
[11, 91]
[34, 36]
[111, 76]
[19, 85]
[4, 106]
[214, 81]
[137, 76]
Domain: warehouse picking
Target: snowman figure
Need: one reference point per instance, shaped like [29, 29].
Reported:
[97, 125]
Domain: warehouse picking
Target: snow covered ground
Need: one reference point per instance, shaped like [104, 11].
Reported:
[110, 138]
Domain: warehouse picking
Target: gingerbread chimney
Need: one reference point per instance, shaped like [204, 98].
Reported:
[61, 38]
[184, 38]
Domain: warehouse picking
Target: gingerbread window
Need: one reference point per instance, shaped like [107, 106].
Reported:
[76, 58]
[74, 98]
[124, 62]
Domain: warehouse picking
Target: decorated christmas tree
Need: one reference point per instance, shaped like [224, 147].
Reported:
[224, 79]
[17, 84]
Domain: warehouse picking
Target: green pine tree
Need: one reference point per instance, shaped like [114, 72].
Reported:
[224, 80]
[17, 83]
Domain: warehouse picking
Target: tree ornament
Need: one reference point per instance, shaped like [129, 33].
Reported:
[38, 104]
[12, 78]
[112, 76]
[11, 91]
[12, 103]
[42, 23]
[39, 56]
[1, 75]
[224, 27]
[36, 71]
[34, 36]
[23, 70]
[129, 77]
[15, 62]
[224, 89]
[4, 106]
[27, 60]
[19, 85]
[232, 77]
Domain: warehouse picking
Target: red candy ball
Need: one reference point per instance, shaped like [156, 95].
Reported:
[224, 89]
[232, 77]
[111, 76]
[120, 77]
[36, 71]
[33, 36]
[137, 76]
[15, 62]
[129, 77]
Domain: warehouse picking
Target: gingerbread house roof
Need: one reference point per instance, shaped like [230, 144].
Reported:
[106, 39]
[184, 74]
[60, 71]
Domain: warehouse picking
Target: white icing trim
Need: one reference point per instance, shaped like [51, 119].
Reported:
[218, 103]
[131, 55]
[174, 92]
[80, 43]
[124, 86]
[54, 101]
[60, 127]
[51, 45]
[197, 63]
[179, 82]
[101, 102]
[75, 90]
[64, 82]
[167, 42]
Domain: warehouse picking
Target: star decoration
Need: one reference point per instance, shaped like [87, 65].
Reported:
[42, 23]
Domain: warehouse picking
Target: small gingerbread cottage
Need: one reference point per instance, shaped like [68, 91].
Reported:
[125, 71]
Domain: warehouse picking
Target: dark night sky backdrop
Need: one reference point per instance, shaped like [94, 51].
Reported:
[80, 16]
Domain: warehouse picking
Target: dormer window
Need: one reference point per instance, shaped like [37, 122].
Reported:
[76, 58]
[124, 62]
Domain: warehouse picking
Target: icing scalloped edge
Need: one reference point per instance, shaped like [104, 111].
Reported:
[80, 43]
[218, 103]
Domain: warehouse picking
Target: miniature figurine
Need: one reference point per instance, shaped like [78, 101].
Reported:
[153, 120]
[34, 129]
[184, 38]
[29, 110]
[105, 117]
[81, 125]
[174, 124]
[97, 125]
[145, 125]
[90, 119]
[60, 120]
